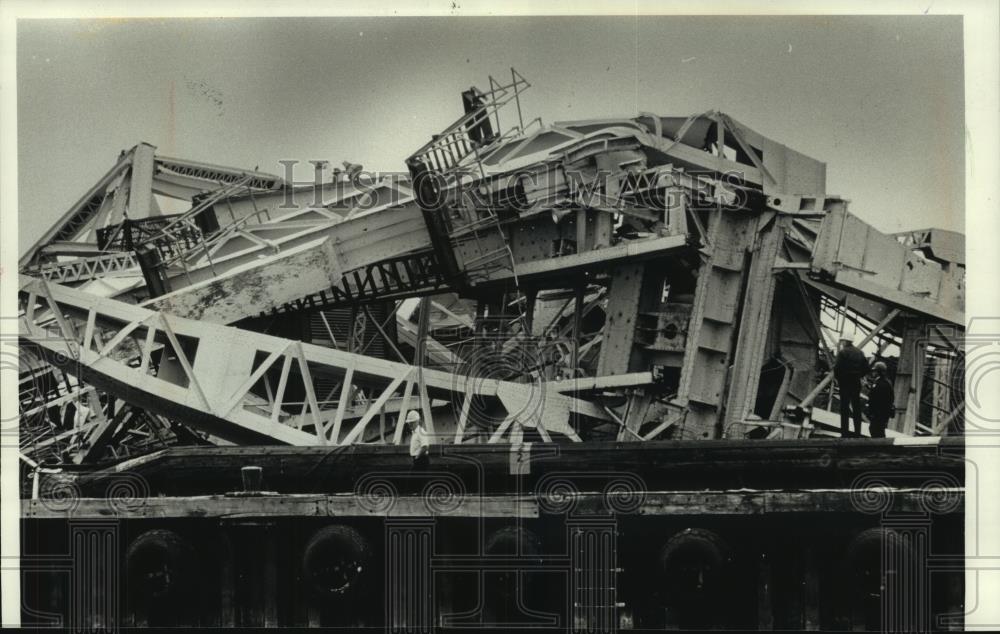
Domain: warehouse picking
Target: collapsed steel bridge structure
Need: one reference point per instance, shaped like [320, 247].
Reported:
[603, 288]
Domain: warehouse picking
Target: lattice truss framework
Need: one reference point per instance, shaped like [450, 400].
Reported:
[624, 278]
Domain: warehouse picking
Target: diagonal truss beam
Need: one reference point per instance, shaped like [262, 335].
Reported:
[204, 368]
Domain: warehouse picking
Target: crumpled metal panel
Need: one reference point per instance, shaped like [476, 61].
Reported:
[851, 254]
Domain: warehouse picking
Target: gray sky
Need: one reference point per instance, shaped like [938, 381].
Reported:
[879, 99]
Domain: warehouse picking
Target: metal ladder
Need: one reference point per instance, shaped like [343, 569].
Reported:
[481, 268]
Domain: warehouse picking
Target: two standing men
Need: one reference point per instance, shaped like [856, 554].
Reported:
[849, 369]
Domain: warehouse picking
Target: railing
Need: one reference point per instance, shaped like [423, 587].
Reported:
[125, 235]
[451, 148]
[182, 236]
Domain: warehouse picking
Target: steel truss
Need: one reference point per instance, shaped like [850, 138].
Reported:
[686, 253]
[213, 376]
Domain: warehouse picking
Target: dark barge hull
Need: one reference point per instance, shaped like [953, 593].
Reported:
[817, 534]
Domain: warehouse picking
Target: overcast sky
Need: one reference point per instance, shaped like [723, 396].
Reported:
[879, 99]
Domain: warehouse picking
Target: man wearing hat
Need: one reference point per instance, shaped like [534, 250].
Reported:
[849, 369]
[880, 401]
[420, 440]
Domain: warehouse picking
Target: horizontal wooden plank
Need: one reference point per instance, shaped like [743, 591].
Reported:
[580, 504]
[659, 465]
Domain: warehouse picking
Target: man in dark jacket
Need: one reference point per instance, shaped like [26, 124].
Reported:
[880, 401]
[849, 369]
